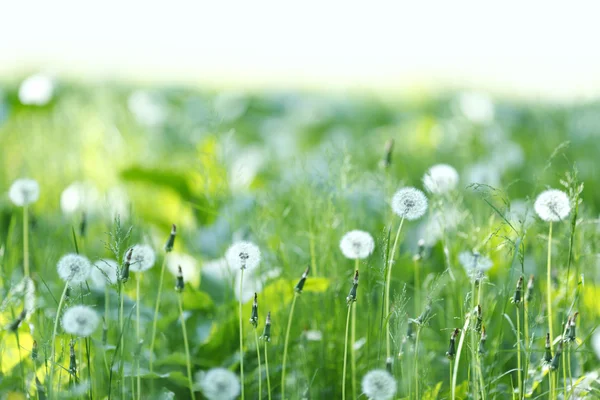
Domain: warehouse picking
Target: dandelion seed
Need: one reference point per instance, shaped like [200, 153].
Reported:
[80, 321]
[379, 384]
[104, 272]
[74, 268]
[142, 258]
[24, 192]
[300, 285]
[552, 205]
[440, 179]
[219, 384]
[357, 244]
[243, 255]
[409, 203]
[36, 90]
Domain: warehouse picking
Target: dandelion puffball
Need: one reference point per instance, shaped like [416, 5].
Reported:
[242, 255]
[104, 272]
[552, 205]
[409, 203]
[24, 192]
[219, 384]
[474, 260]
[142, 258]
[440, 179]
[80, 321]
[357, 244]
[36, 90]
[379, 384]
[73, 268]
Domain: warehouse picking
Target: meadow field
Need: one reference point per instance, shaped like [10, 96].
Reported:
[172, 243]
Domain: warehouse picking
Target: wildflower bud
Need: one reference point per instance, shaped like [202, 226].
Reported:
[254, 315]
[72, 359]
[554, 364]
[547, 359]
[83, 225]
[179, 284]
[529, 292]
[518, 292]
[387, 158]
[34, 351]
[13, 326]
[452, 348]
[126, 265]
[571, 336]
[479, 318]
[388, 364]
[266, 336]
[482, 340]
[352, 295]
[302, 280]
[171, 240]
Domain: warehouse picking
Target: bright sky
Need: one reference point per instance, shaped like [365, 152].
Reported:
[534, 49]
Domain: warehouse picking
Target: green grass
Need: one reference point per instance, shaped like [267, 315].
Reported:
[318, 176]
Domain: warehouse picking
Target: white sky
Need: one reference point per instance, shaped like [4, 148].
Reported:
[534, 49]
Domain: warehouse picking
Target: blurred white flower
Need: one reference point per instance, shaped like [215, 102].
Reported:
[379, 384]
[230, 105]
[253, 282]
[117, 203]
[244, 168]
[218, 384]
[104, 272]
[357, 244]
[23, 292]
[242, 255]
[73, 268]
[218, 269]
[477, 107]
[24, 192]
[189, 267]
[507, 155]
[79, 197]
[36, 90]
[439, 221]
[360, 343]
[596, 343]
[313, 335]
[552, 205]
[80, 321]
[440, 179]
[520, 215]
[409, 203]
[142, 258]
[474, 260]
[483, 173]
[148, 109]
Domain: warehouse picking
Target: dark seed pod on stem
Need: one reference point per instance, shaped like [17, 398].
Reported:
[529, 292]
[72, 359]
[482, 340]
[34, 351]
[179, 284]
[388, 364]
[547, 359]
[171, 241]
[13, 326]
[518, 292]
[83, 225]
[571, 331]
[126, 265]
[425, 314]
[266, 336]
[352, 295]
[387, 157]
[479, 319]
[254, 315]
[554, 364]
[452, 348]
[300, 284]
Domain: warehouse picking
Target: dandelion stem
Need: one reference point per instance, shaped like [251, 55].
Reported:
[353, 340]
[26, 240]
[458, 352]
[241, 332]
[417, 287]
[564, 368]
[259, 371]
[122, 334]
[345, 354]
[387, 291]
[519, 376]
[267, 371]
[549, 286]
[53, 343]
[187, 347]
[156, 308]
[285, 345]
[137, 334]
[417, 361]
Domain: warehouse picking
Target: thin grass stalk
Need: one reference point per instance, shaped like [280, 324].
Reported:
[241, 333]
[53, 344]
[26, 241]
[156, 308]
[345, 353]
[267, 372]
[388, 351]
[519, 374]
[417, 361]
[137, 334]
[458, 353]
[353, 340]
[564, 368]
[549, 286]
[472, 339]
[568, 353]
[285, 344]
[186, 345]
[259, 370]
[121, 328]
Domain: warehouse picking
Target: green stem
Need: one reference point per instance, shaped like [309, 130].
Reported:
[53, 343]
[569, 367]
[564, 368]
[241, 333]
[417, 362]
[26, 240]
[345, 354]
[156, 308]
[353, 340]
[417, 287]
[285, 345]
[137, 334]
[519, 377]
[472, 339]
[122, 334]
[187, 347]
[458, 352]
[267, 372]
[388, 350]
[259, 371]
[549, 286]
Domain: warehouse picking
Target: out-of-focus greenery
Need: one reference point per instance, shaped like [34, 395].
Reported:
[293, 172]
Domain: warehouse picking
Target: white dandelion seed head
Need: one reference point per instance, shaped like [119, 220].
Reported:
[440, 179]
[36, 90]
[357, 244]
[80, 321]
[218, 384]
[189, 267]
[379, 384]
[596, 343]
[243, 255]
[79, 197]
[474, 260]
[24, 192]
[552, 205]
[73, 268]
[409, 203]
[142, 258]
[104, 272]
